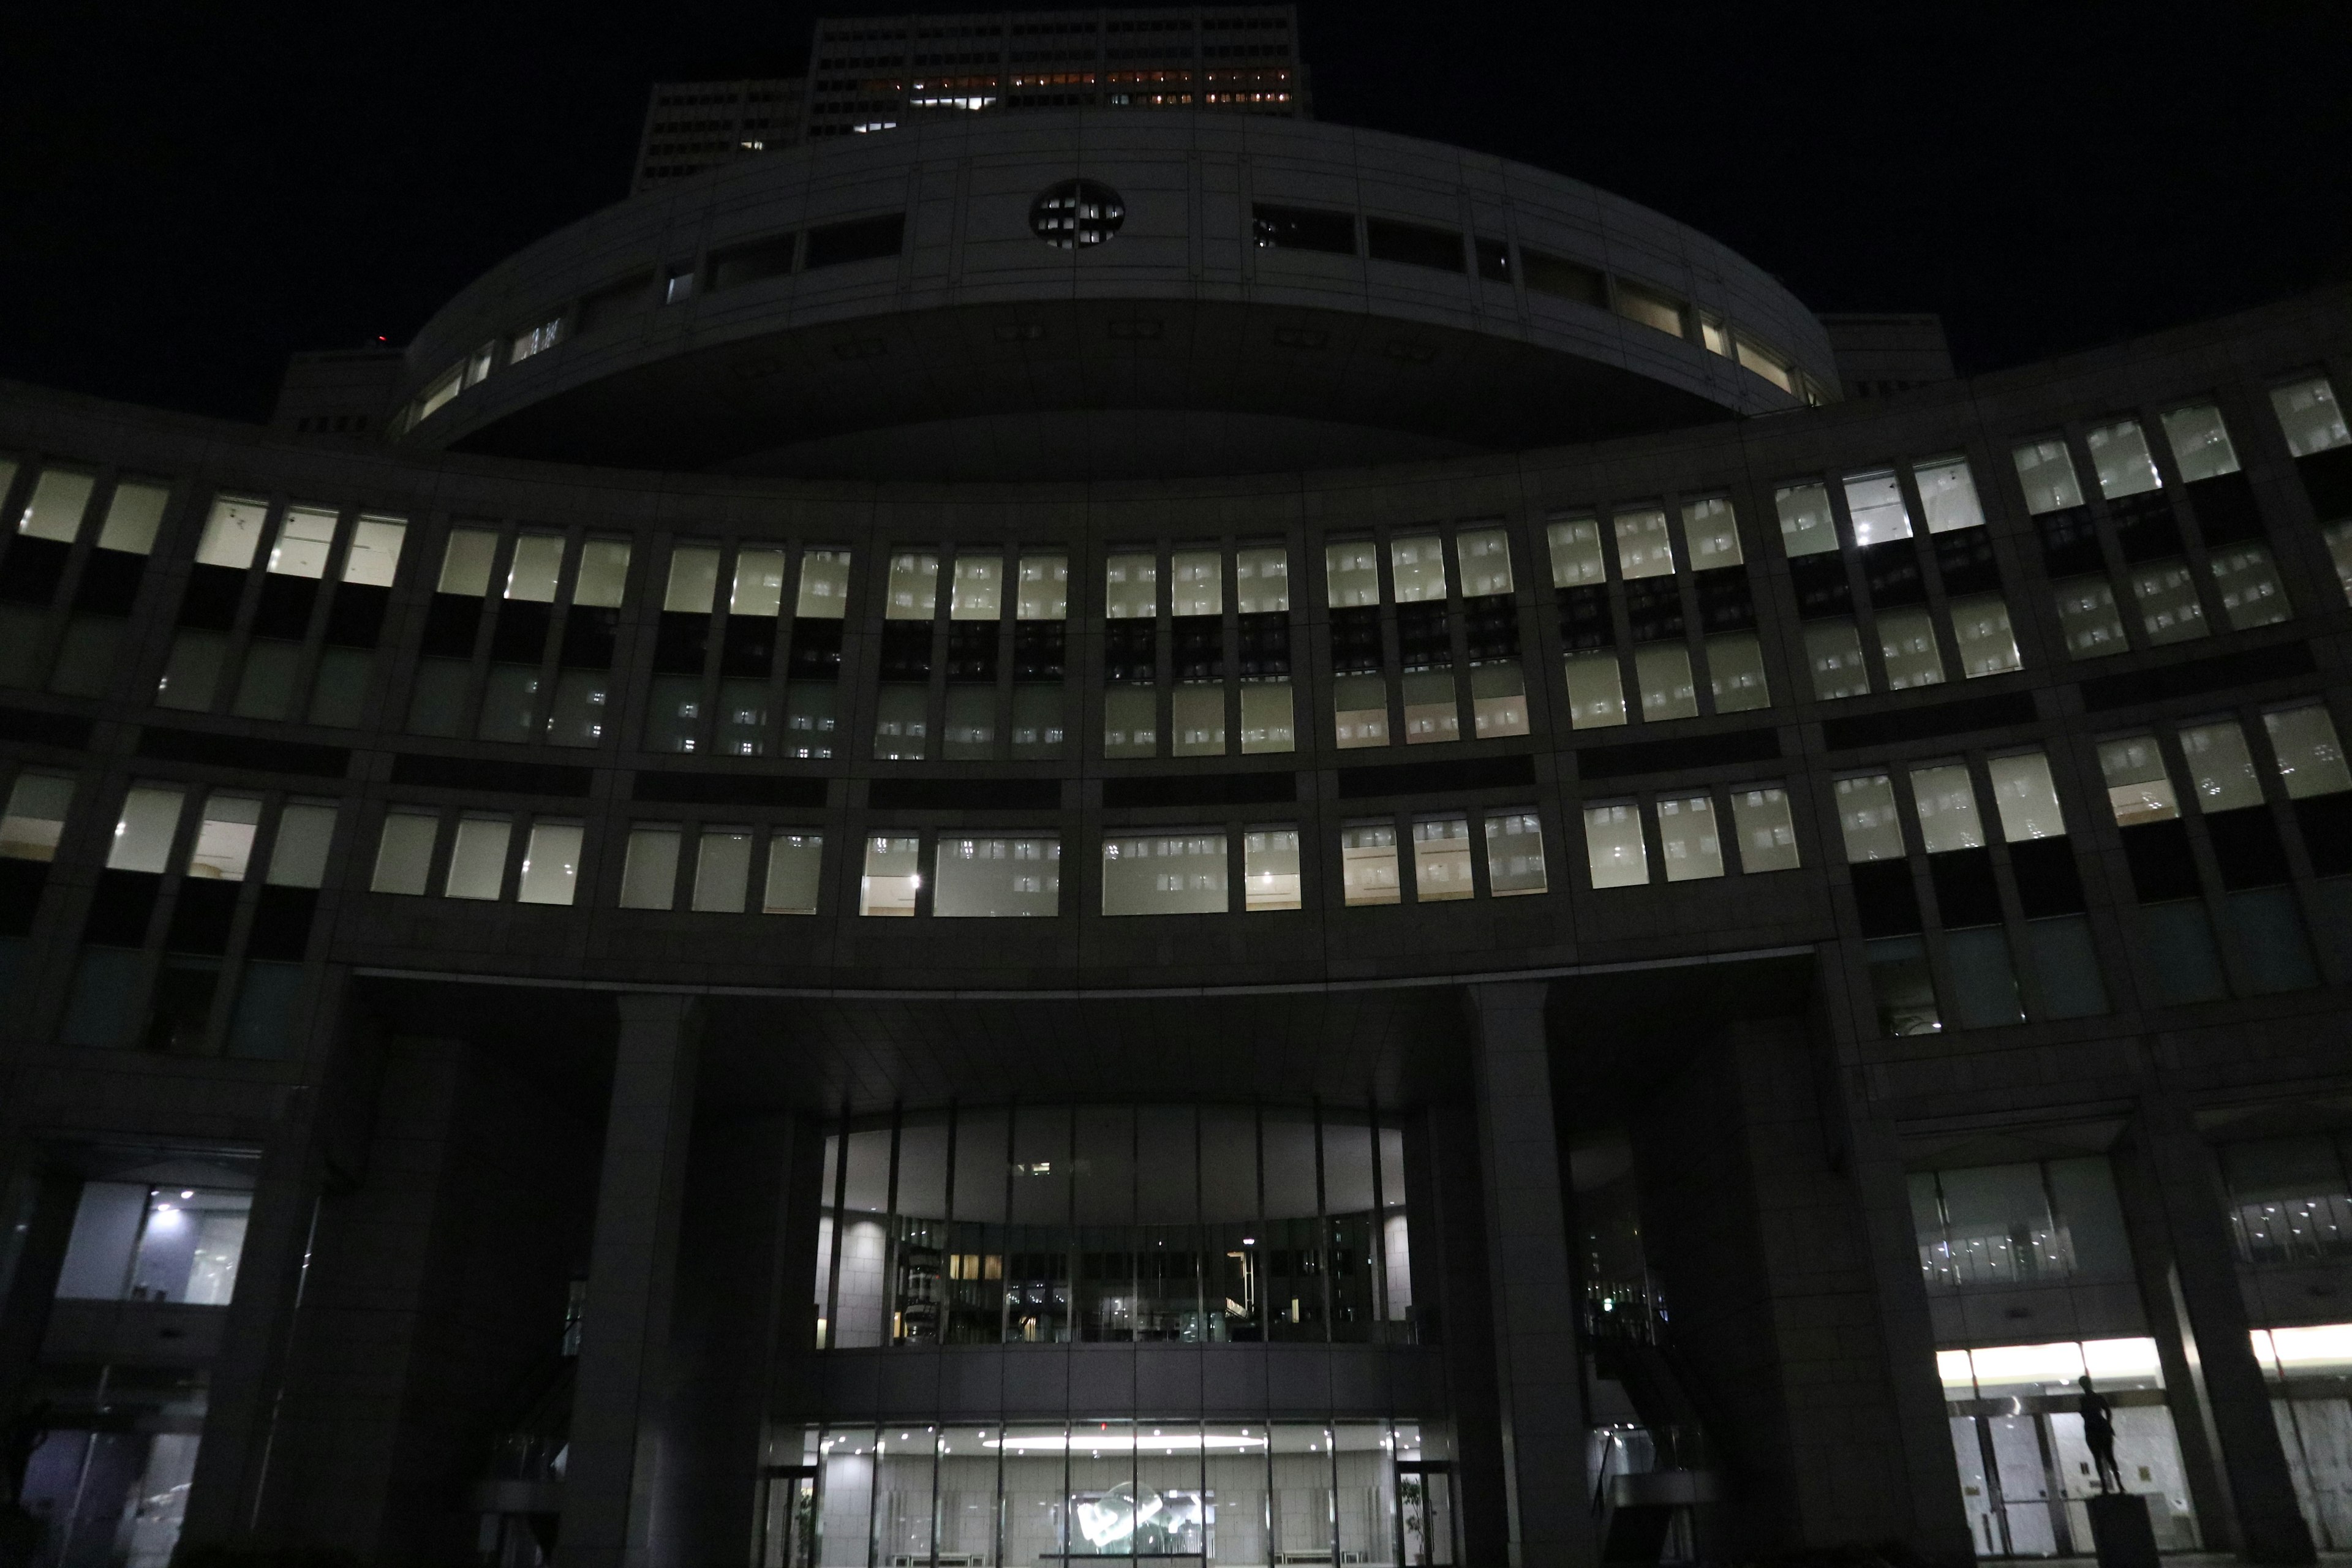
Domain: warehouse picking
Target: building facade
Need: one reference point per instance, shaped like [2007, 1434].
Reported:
[749, 941]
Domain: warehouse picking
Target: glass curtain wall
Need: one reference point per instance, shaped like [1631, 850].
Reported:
[1114, 1224]
[1220, 1493]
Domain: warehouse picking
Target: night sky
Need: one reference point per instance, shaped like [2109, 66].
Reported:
[190, 193]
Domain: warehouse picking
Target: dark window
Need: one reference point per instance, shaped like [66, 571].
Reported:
[617, 302]
[2226, 512]
[1966, 559]
[1303, 229]
[1493, 260]
[1413, 244]
[1891, 573]
[1821, 586]
[1884, 900]
[752, 261]
[2145, 527]
[1564, 278]
[2070, 544]
[865, 240]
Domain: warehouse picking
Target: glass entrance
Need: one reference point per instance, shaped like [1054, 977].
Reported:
[1425, 1514]
[788, 1518]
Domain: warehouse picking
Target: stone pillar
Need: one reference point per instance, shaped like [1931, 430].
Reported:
[733, 1317]
[2176, 1211]
[40, 1215]
[617, 1458]
[1538, 1358]
[240, 1420]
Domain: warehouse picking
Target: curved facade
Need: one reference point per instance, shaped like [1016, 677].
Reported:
[1659, 995]
[1275, 295]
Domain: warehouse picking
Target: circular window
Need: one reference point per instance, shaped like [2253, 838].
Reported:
[1076, 212]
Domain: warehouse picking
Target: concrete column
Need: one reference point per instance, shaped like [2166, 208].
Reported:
[40, 1216]
[616, 1460]
[733, 1317]
[1538, 1368]
[240, 1421]
[2175, 1209]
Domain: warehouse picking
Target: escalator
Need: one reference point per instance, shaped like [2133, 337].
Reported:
[1652, 1483]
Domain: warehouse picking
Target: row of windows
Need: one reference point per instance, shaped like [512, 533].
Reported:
[1631, 590]
[1277, 227]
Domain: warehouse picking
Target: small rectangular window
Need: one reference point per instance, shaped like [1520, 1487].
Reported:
[1131, 586]
[1652, 308]
[992, 878]
[466, 562]
[36, 818]
[759, 587]
[1485, 557]
[1262, 580]
[1441, 859]
[404, 854]
[1498, 699]
[891, 877]
[1613, 846]
[232, 532]
[1368, 863]
[977, 590]
[2026, 796]
[1711, 333]
[1903, 987]
[795, 864]
[2170, 611]
[60, 497]
[440, 390]
[861, 239]
[1177, 871]
[1198, 585]
[1866, 819]
[1131, 721]
[693, 585]
[1043, 594]
[1645, 548]
[1711, 529]
[1270, 869]
[223, 847]
[1413, 244]
[1432, 711]
[2138, 788]
[1494, 259]
[143, 834]
[2046, 471]
[2093, 628]
[824, 585]
[914, 586]
[534, 339]
[1768, 837]
[2310, 760]
[753, 262]
[1767, 362]
[1596, 690]
[1515, 854]
[1575, 545]
[1351, 573]
[2120, 458]
[550, 864]
[538, 565]
[2251, 595]
[1688, 841]
[1565, 279]
[1735, 669]
[1947, 800]
[1807, 525]
[604, 580]
[299, 857]
[1873, 499]
[722, 870]
[649, 871]
[477, 861]
[1668, 689]
[2219, 766]
[1303, 229]
[1906, 640]
[374, 557]
[1834, 654]
[133, 517]
[1268, 721]
[2311, 418]
[2201, 443]
[1948, 493]
[1981, 630]
[304, 537]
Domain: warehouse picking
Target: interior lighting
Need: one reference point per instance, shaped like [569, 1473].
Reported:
[1177, 1442]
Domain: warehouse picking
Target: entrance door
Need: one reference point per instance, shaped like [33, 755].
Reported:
[2018, 1457]
[788, 1518]
[1425, 1514]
